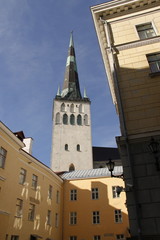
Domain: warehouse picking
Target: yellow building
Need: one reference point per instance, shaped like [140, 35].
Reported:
[35, 203]
[92, 207]
[31, 194]
[129, 36]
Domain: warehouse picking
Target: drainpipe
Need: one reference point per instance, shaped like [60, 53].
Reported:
[114, 71]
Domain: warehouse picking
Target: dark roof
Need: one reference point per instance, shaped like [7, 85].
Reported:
[105, 153]
[19, 135]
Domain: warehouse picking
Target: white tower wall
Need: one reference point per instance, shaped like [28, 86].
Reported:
[72, 135]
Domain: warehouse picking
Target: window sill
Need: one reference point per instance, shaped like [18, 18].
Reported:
[155, 74]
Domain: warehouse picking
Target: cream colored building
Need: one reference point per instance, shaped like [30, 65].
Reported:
[31, 194]
[129, 37]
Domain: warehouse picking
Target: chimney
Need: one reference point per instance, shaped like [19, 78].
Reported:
[28, 142]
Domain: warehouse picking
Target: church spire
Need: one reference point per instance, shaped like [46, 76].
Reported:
[71, 89]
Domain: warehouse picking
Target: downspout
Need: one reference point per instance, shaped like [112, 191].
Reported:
[122, 120]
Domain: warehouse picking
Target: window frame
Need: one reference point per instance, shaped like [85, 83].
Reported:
[73, 194]
[120, 237]
[34, 181]
[95, 193]
[14, 237]
[56, 220]
[96, 237]
[50, 192]
[3, 156]
[154, 61]
[49, 217]
[19, 208]
[118, 216]
[73, 238]
[144, 32]
[73, 218]
[57, 196]
[114, 192]
[95, 217]
[31, 212]
[22, 176]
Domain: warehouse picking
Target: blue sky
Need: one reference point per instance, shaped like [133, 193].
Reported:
[34, 40]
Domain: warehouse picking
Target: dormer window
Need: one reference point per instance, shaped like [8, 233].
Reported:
[145, 30]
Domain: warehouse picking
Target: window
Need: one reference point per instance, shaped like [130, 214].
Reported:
[22, 176]
[145, 30]
[63, 107]
[78, 148]
[94, 193]
[14, 237]
[97, 237]
[56, 220]
[3, 154]
[19, 204]
[72, 108]
[73, 194]
[86, 119]
[31, 212]
[71, 168]
[65, 119]
[73, 238]
[50, 192]
[49, 217]
[57, 197]
[34, 181]
[66, 147]
[118, 216]
[57, 118]
[96, 217]
[73, 218]
[80, 108]
[154, 62]
[72, 119]
[114, 192]
[79, 120]
[120, 237]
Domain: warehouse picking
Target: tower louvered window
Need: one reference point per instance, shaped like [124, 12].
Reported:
[79, 119]
[65, 119]
[72, 119]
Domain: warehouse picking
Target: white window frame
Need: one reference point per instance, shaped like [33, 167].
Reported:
[73, 218]
[95, 217]
[114, 192]
[95, 193]
[73, 194]
[118, 216]
[3, 154]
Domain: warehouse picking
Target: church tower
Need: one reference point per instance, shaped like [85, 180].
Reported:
[71, 140]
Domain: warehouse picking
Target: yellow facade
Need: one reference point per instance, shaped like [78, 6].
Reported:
[14, 219]
[19, 192]
[84, 206]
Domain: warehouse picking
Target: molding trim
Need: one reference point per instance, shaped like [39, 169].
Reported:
[138, 43]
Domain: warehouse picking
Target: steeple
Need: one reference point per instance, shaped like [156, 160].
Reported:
[71, 89]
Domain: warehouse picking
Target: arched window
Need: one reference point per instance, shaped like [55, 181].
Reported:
[78, 148]
[72, 108]
[80, 108]
[72, 119]
[79, 119]
[63, 107]
[85, 119]
[71, 168]
[66, 147]
[57, 118]
[65, 119]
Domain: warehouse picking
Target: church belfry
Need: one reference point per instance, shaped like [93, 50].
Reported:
[71, 139]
